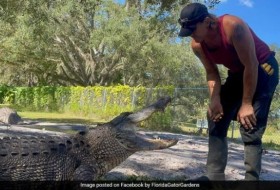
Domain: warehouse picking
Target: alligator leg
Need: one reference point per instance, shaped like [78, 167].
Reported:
[84, 173]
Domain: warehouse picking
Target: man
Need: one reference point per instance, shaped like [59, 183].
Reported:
[247, 92]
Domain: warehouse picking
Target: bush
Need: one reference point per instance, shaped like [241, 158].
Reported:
[6, 94]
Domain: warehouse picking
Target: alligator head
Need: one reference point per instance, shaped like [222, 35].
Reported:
[125, 126]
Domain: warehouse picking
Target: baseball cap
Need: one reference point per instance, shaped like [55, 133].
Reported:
[190, 15]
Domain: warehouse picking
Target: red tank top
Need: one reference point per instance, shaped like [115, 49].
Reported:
[226, 54]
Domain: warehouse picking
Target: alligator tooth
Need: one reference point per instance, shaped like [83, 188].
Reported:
[156, 136]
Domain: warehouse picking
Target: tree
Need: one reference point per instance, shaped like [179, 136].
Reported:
[94, 42]
[25, 47]
[132, 50]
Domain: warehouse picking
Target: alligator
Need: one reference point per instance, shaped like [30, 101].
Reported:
[9, 116]
[85, 156]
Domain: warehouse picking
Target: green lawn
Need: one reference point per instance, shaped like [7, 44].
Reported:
[61, 117]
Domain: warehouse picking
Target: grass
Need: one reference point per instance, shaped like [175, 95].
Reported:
[61, 117]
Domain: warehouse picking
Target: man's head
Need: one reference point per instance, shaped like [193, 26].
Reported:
[190, 15]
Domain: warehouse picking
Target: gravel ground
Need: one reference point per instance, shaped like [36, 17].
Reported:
[184, 161]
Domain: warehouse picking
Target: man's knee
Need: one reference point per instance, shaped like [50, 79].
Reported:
[217, 131]
[253, 136]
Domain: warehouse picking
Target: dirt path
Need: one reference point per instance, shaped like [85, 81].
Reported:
[187, 159]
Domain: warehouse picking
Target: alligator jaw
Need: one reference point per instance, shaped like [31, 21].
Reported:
[124, 126]
[141, 142]
[150, 142]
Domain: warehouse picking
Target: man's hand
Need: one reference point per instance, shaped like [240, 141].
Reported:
[246, 116]
[215, 110]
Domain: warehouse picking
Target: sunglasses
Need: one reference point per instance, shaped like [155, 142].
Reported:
[185, 23]
[191, 24]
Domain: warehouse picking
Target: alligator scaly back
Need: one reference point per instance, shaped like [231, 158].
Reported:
[87, 155]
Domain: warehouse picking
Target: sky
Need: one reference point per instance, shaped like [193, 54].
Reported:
[261, 15]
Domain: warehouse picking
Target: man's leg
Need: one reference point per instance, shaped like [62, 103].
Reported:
[217, 158]
[218, 149]
[253, 143]
[253, 138]
[252, 161]
[231, 92]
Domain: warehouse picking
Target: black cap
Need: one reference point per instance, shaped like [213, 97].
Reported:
[190, 15]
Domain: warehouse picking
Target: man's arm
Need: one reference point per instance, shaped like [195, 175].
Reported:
[244, 45]
[215, 110]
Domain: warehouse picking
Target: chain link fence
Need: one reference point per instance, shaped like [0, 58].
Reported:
[187, 111]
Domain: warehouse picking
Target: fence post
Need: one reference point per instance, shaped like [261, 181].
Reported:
[174, 107]
[104, 92]
[133, 99]
[232, 132]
